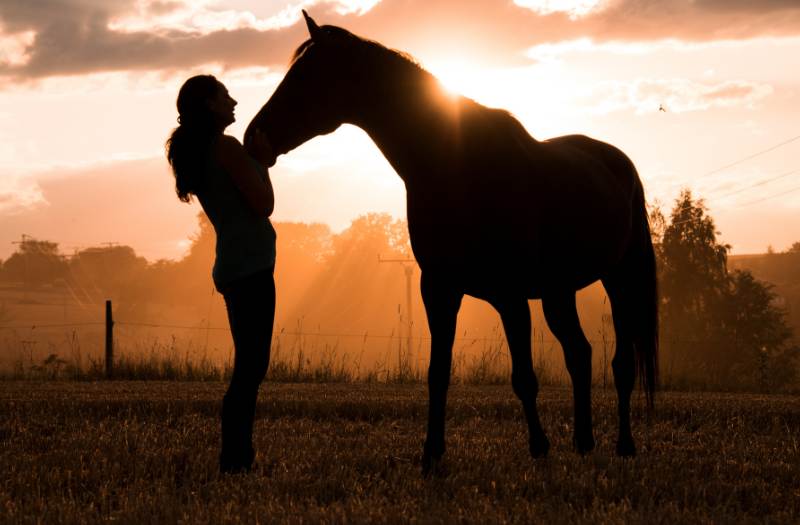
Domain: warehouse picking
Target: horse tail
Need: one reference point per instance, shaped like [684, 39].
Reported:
[645, 335]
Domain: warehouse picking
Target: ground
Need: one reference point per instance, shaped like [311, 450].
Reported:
[136, 452]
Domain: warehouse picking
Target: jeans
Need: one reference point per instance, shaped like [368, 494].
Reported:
[250, 302]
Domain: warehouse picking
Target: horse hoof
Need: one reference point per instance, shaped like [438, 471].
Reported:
[584, 445]
[432, 466]
[539, 447]
[432, 453]
[626, 449]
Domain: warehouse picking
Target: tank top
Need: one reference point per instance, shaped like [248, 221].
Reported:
[245, 240]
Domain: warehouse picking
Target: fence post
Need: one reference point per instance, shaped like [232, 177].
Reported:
[109, 341]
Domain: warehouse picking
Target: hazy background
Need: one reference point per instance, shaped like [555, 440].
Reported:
[701, 95]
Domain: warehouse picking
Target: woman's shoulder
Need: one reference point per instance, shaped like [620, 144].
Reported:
[226, 148]
[227, 144]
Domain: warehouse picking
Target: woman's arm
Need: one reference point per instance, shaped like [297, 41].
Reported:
[233, 157]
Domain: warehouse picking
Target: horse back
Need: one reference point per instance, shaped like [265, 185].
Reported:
[557, 211]
[619, 171]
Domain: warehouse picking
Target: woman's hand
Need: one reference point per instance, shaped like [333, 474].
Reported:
[259, 148]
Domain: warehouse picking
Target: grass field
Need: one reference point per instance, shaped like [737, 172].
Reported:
[145, 452]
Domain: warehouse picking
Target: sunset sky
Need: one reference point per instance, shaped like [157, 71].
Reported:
[88, 87]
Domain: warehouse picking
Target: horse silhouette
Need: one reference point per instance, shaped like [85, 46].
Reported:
[492, 213]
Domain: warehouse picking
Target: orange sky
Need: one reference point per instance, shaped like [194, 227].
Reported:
[87, 92]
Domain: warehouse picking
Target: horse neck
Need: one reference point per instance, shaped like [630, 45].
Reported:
[412, 124]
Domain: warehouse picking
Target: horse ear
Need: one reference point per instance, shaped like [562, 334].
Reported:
[313, 28]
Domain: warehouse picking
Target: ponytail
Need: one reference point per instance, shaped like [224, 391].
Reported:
[188, 144]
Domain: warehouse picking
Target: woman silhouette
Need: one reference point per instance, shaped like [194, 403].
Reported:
[234, 189]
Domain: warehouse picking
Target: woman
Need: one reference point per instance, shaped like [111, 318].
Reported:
[234, 189]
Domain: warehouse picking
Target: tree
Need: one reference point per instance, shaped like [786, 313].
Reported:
[794, 248]
[113, 271]
[188, 280]
[373, 234]
[751, 317]
[757, 332]
[352, 289]
[692, 269]
[5, 314]
[722, 326]
[298, 239]
[303, 250]
[35, 263]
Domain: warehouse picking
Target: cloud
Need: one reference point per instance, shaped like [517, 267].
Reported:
[18, 194]
[698, 20]
[674, 95]
[130, 202]
[73, 37]
[574, 8]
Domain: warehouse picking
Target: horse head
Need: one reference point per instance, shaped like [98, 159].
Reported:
[318, 94]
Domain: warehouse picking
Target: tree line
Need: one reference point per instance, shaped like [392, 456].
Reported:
[718, 324]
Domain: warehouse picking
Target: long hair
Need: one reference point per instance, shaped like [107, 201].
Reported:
[188, 144]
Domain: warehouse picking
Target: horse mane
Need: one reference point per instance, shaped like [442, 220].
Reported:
[300, 50]
[402, 67]
[376, 48]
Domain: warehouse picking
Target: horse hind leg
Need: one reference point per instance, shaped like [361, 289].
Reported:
[561, 315]
[624, 361]
[516, 317]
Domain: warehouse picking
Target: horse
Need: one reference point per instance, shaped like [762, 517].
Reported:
[492, 213]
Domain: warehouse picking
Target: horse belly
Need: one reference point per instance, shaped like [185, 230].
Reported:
[487, 266]
[581, 249]
[535, 238]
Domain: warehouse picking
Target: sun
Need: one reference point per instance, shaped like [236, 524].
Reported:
[489, 86]
[459, 77]
[541, 95]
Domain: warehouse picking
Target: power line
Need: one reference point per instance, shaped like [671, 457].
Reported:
[775, 195]
[752, 156]
[179, 327]
[740, 190]
[56, 325]
[760, 183]
[781, 194]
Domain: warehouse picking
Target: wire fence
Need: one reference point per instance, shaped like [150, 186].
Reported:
[280, 333]
[536, 335]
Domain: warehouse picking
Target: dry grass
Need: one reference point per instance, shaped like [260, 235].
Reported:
[136, 452]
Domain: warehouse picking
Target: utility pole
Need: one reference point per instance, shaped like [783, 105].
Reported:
[25, 238]
[408, 268]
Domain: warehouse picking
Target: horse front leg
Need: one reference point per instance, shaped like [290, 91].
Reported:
[516, 316]
[442, 303]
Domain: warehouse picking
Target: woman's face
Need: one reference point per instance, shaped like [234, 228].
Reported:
[221, 107]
